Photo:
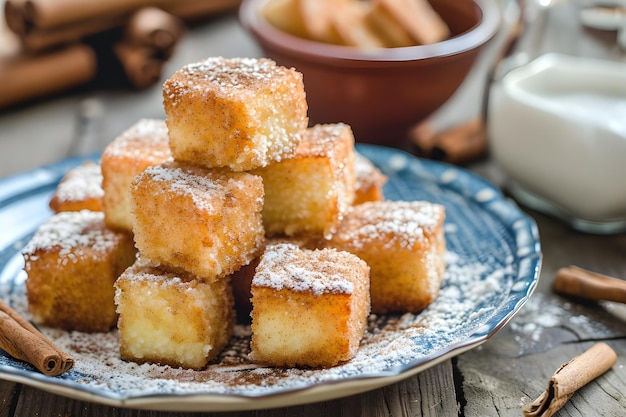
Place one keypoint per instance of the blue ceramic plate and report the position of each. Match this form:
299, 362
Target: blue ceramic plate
493, 260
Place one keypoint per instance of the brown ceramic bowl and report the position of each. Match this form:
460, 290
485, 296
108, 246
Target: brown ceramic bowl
381, 93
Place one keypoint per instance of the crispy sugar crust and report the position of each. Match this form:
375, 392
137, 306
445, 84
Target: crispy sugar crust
144, 144
309, 193
240, 113
79, 189
310, 307
72, 262
404, 245
242, 279
172, 319
205, 222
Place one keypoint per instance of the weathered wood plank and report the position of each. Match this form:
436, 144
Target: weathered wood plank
34, 402
430, 393
498, 385
9, 393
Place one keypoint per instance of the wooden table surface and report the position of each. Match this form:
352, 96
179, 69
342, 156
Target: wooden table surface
494, 379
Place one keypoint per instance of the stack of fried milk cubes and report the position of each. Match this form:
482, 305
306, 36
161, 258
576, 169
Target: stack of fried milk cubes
243, 165
239, 212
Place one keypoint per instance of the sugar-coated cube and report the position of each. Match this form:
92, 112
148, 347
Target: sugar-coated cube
72, 261
242, 279
205, 222
403, 243
310, 192
79, 189
144, 144
309, 307
172, 319
240, 113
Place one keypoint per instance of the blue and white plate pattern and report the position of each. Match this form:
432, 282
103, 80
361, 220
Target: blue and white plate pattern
493, 260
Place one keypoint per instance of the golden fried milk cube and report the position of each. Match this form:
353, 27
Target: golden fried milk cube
309, 307
240, 113
310, 192
144, 144
172, 319
79, 189
72, 262
369, 181
404, 244
205, 222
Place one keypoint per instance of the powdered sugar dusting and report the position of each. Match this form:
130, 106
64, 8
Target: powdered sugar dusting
233, 73
230, 76
319, 271
70, 231
366, 173
147, 139
401, 223
466, 300
257, 112
322, 139
202, 185
81, 183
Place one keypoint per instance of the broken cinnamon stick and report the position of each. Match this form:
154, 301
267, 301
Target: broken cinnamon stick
579, 282
456, 145
462, 143
23, 341
570, 377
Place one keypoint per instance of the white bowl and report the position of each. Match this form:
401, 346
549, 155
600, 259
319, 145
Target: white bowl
557, 129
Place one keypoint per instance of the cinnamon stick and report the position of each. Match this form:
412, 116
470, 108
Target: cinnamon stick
194, 10
579, 282
423, 135
154, 28
462, 143
569, 378
23, 16
141, 67
38, 40
24, 77
456, 145
48, 14
23, 341
14, 16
